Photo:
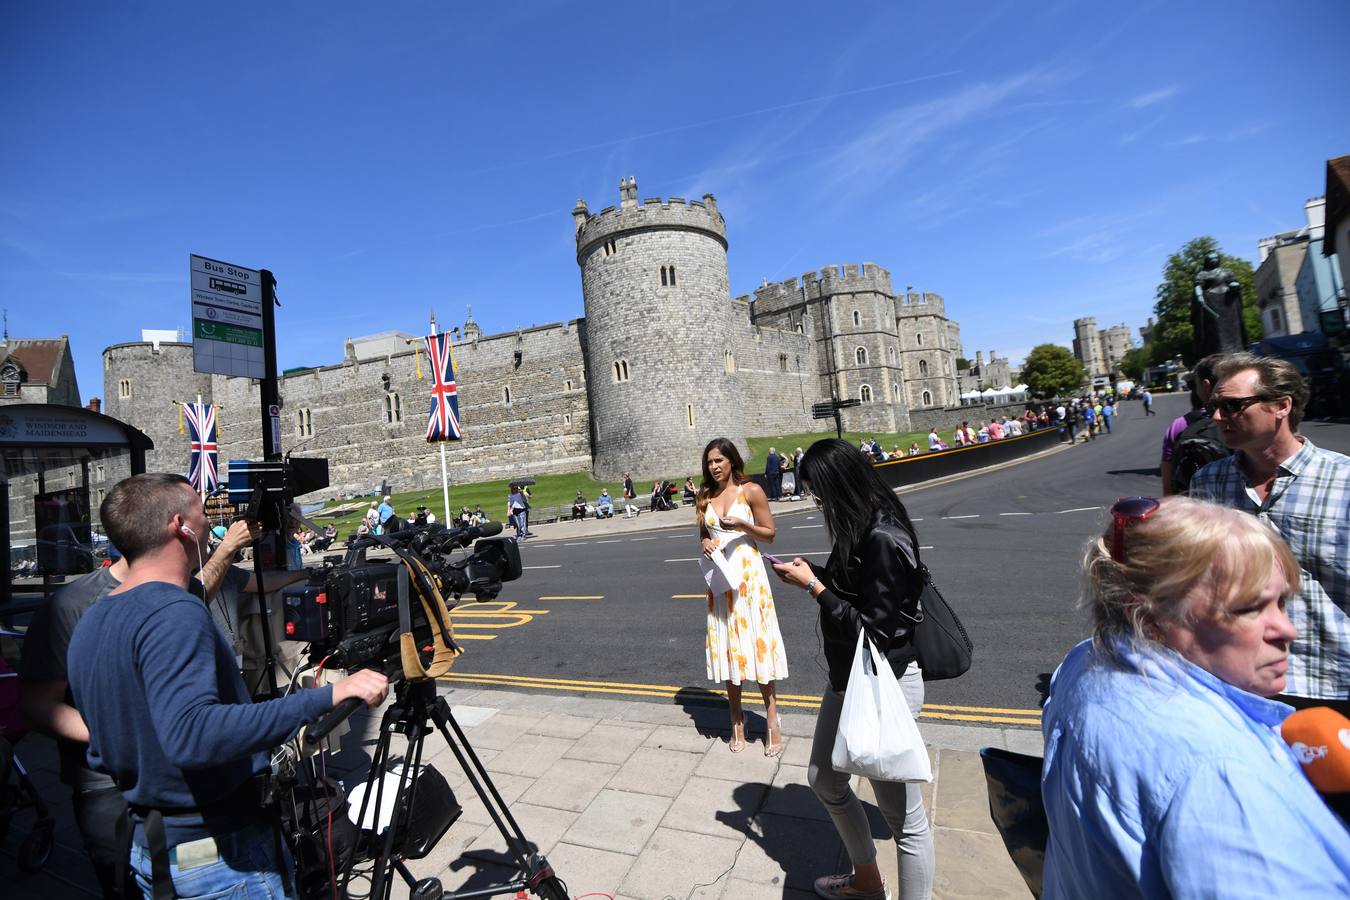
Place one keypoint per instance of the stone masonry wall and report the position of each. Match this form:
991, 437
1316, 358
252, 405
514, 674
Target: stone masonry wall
159, 380
541, 428
670, 341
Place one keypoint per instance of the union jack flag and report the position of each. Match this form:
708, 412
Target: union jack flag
443, 420
202, 471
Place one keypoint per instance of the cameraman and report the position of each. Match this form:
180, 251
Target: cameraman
168, 715
47, 705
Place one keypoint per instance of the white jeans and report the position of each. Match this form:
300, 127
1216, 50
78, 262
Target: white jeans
900, 803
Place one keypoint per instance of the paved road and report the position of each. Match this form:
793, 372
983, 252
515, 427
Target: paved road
624, 613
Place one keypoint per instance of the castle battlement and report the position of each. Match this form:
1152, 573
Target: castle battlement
651, 214
922, 303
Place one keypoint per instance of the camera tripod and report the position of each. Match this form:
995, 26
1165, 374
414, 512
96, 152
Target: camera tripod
416, 708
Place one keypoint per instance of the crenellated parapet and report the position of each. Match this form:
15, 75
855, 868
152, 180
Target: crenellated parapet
651, 214
920, 303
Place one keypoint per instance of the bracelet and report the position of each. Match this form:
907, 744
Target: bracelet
811, 585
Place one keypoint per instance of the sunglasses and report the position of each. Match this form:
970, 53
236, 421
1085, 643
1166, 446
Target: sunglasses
1232, 406
1127, 511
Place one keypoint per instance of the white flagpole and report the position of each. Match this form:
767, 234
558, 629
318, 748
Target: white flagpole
202, 469
445, 478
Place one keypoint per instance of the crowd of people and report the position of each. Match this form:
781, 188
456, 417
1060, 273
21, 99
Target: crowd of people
1215, 616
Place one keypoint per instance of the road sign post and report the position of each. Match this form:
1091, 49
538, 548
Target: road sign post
829, 409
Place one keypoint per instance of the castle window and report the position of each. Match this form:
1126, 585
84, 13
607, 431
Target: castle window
304, 423
124, 389
865, 393
861, 355
918, 339
890, 351
667, 276
729, 361
567, 418
923, 368
927, 399
393, 409
782, 362
857, 319
620, 370
567, 385
611, 247
672, 276
799, 328
895, 391
689, 413
506, 395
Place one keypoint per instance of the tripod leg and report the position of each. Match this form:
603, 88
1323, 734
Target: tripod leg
538, 874
381, 883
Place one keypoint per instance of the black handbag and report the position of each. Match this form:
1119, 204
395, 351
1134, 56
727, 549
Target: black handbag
941, 644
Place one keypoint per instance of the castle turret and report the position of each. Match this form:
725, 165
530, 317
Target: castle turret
658, 333
471, 330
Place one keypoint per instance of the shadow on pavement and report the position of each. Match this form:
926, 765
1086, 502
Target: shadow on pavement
1153, 471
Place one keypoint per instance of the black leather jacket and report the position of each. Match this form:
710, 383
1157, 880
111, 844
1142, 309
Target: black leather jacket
877, 588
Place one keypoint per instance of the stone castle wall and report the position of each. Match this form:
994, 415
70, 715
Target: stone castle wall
156, 378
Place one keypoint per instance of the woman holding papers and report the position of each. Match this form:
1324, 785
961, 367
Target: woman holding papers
743, 643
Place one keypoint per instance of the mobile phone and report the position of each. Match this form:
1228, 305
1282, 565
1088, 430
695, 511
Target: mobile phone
773, 559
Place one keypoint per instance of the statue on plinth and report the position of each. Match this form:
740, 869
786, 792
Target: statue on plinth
1216, 311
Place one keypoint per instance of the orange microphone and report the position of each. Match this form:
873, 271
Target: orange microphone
1320, 738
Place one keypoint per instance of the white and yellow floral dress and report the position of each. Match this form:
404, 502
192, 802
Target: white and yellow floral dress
743, 643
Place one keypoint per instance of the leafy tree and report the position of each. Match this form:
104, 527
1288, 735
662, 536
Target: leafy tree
962, 364
1134, 362
1051, 371
1172, 335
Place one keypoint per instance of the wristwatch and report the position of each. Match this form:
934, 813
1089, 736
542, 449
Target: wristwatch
811, 585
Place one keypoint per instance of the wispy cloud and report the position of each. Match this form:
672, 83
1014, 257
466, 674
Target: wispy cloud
1153, 98
1093, 239
124, 277
1130, 137
1237, 134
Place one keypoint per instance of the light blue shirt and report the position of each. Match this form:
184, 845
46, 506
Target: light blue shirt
1161, 780
605, 502
385, 512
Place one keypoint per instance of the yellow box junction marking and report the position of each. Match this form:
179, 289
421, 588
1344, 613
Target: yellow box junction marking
489, 614
982, 714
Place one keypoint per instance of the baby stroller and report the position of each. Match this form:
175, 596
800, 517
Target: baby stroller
661, 499
17, 792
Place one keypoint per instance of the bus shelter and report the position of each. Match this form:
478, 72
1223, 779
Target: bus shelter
53, 460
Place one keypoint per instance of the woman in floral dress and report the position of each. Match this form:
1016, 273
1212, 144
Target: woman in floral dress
743, 643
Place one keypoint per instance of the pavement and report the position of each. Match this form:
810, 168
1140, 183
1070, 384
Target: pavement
633, 799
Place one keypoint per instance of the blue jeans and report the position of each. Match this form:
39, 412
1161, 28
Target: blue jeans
247, 869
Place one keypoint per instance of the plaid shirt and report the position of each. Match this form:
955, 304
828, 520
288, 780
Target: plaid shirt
1309, 506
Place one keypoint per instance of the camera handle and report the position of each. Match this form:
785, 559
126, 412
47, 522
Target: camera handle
322, 726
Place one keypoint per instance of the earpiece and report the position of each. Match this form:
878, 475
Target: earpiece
188, 531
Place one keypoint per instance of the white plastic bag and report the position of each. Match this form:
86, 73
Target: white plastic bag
877, 735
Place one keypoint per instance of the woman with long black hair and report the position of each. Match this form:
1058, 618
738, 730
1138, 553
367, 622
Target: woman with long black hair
743, 642
870, 582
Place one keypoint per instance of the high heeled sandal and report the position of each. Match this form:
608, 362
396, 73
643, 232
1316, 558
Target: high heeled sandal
737, 742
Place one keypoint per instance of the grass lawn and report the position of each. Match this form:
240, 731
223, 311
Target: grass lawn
559, 490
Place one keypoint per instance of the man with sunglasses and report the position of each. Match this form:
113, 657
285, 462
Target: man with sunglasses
1303, 492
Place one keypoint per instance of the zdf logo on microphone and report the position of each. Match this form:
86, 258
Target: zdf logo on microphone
1307, 754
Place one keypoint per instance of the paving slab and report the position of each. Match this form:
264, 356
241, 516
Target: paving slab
510, 787
680, 864
787, 852
571, 784
716, 807
563, 726
541, 825
500, 731
610, 742
962, 795
975, 866
588, 870
652, 770
619, 821
796, 751
530, 755
737, 889
749, 765
679, 737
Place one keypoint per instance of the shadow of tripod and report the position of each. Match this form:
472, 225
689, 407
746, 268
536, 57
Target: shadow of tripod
415, 827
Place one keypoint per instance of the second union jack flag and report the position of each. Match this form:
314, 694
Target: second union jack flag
202, 470
443, 421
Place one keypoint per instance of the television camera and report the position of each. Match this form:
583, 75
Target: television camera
393, 613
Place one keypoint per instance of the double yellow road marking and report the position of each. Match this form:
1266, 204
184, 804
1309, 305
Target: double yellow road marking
988, 715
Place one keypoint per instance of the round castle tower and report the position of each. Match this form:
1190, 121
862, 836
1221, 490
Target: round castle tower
659, 322
141, 383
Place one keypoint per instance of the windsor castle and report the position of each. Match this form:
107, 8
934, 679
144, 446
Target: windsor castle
663, 359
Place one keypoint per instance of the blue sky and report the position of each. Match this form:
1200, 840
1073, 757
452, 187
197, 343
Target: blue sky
1030, 162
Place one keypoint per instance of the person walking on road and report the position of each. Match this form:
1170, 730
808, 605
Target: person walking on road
743, 642
871, 581
1147, 399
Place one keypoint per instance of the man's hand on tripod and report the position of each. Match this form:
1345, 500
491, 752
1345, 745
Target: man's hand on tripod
366, 685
